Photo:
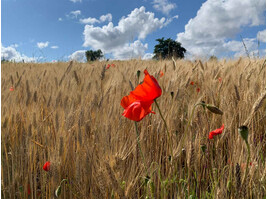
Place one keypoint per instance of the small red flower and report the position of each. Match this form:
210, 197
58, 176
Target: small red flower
108, 66
113, 65
29, 189
11, 88
139, 102
192, 83
161, 73
46, 166
220, 79
198, 90
216, 132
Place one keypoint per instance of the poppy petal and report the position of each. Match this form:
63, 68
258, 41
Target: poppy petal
46, 166
127, 100
148, 90
216, 132
137, 110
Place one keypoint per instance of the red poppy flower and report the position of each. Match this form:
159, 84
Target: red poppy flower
216, 132
46, 166
161, 73
139, 103
113, 65
198, 90
192, 83
11, 88
108, 66
220, 79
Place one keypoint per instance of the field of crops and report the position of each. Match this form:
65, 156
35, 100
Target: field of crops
70, 114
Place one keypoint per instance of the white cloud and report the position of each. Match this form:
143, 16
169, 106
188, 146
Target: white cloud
261, 36
163, 6
74, 1
112, 39
54, 47
148, 56
74, 14
60, 19
78, 56
11, 54
218, 21
42, 44
238, 47
107, 17
129, 51
89, 20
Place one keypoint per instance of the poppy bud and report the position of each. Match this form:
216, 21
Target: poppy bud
214, 109
243, 131
172, 94
138, 74
58, 191
203, 148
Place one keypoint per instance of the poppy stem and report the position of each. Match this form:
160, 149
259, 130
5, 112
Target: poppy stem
165, 123
246, 172
139, 145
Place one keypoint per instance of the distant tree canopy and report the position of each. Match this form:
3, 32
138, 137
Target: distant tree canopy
93, 55
168, 48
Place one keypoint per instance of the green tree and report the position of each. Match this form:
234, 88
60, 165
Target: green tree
168, 48
93, 55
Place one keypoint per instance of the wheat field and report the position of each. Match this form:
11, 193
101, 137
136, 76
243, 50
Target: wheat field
70, 114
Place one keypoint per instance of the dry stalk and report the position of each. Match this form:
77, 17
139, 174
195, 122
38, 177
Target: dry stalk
256, 106
114, 182
237, 93
66, 72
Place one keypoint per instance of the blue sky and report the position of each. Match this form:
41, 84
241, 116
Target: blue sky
47, 30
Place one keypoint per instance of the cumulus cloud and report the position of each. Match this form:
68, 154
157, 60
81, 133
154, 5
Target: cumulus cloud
60, 19
261, 36
103, 18
107, 17
74, 1
218, 21
75, 14
89, 20
54, 47
112, 39
238, 47
78, 56
42, 44
163, 6
133, 50
11, 54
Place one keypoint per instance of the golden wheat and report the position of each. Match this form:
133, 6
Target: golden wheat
70, 114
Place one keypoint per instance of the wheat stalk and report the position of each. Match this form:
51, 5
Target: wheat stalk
256, 106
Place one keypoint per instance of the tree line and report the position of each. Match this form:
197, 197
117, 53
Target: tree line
165, 49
